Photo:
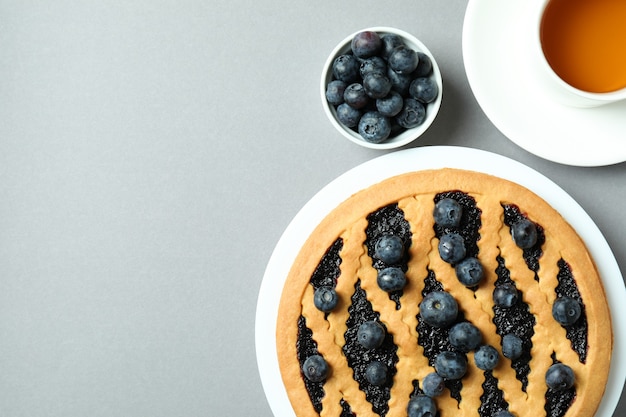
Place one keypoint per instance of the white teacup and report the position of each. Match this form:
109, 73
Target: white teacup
550, 81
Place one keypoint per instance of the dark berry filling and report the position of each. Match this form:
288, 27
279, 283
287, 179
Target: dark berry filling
305, 347
517, 320
577, 332
492, 399
327, 272
416, 389
359, 357
346, 410
558, 402
434, 340
384, 221
470, 220
512, 214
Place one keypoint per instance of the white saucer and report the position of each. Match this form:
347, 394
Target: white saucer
396, 163
518, 108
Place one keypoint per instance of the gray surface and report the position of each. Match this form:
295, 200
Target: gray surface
151, 155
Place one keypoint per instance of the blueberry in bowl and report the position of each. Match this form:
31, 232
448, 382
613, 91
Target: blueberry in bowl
389, 79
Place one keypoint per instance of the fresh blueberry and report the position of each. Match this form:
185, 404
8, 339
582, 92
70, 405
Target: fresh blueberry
524, 233
376, 373
396, 129
464, 336
451, 365
447, 212
390, 105
403, 59
389, 42
325, 299
373, 64
348, 115
560, 377
374, 127
346, 68
366, 44
376, 85
452, 248
389, 249
566, 310
505, 295
424, 66
391, 279
421, 406
413, 114
439, 309
424, 89
371, 334
511, 346
469, 272
503, 413
486, 357
433, 384
334, 92
315, 368
355, 96
399, 82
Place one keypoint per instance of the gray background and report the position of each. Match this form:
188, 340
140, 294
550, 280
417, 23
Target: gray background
151, 155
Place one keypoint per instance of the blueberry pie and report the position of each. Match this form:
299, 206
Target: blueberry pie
444, 292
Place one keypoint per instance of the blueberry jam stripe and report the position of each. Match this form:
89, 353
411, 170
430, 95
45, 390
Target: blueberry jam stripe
548, 280
491, 225
548, 272
305, 348
445, 274
512, 318
492, 398
392, 317
411, 361
415, 368
387, 306
389, 315
581, 265
344, 387
471, 382
577, 333
482, 317
540, 357
540, 296
341, 373
361, 357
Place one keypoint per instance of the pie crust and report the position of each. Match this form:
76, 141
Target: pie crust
415, 194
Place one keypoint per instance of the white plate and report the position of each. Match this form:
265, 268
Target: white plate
505, 90
396, 163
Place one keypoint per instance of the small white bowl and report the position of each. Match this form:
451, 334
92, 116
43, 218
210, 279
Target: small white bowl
406, 136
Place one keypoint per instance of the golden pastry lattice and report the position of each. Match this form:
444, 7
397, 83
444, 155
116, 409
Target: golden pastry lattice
549, 338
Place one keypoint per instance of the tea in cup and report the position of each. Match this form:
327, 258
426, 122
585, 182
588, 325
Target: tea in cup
579, 50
